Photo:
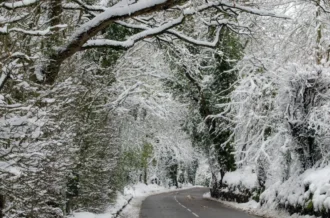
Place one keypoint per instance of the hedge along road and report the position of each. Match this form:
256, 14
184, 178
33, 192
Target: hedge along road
187, 204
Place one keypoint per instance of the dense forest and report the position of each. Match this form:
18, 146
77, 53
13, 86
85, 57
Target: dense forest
100, 95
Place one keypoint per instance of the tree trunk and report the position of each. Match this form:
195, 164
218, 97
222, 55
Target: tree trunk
222, 173
145, 175
319, 34
2, 206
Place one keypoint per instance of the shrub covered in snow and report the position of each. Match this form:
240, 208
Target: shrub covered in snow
246, 178
239, 186
307, 193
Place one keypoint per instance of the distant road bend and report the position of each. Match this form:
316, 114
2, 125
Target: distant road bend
187, 204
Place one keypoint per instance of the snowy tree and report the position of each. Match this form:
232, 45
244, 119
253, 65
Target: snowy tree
282, 88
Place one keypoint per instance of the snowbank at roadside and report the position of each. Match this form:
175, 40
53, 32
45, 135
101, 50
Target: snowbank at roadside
310, 189
307, 193
252, 207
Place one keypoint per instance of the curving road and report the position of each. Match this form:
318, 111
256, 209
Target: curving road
186, 204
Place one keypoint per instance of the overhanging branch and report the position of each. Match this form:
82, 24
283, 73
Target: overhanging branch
80, 38
135, 38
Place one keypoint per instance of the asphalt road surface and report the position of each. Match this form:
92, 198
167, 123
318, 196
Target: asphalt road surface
187, 204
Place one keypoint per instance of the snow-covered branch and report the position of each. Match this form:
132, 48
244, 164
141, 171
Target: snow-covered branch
78, 5
253, 10
18, 4
46, 32
180, 35
232, 5
110, 15
135, 38
197, 42
14, 19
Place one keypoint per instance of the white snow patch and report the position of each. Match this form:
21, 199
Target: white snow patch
207, 195
245, 177
7, 167
18, 4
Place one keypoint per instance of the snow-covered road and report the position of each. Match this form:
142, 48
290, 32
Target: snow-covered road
186, 204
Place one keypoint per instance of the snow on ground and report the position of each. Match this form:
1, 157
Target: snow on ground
253, 207
139, 192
